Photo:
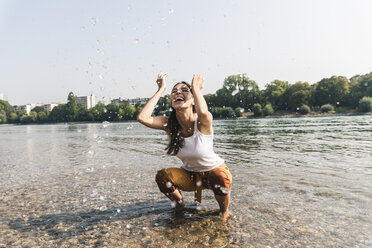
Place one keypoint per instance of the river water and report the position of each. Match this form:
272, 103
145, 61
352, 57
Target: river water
296, 182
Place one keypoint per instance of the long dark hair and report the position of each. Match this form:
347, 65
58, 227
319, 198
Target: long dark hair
176, 141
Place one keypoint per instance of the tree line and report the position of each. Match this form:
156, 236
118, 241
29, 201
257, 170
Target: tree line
238, 95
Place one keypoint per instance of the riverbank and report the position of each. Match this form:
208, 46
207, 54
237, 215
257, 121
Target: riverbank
288, 114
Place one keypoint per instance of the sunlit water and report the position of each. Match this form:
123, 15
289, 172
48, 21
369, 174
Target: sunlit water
296, 182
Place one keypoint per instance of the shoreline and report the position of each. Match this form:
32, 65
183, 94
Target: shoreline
248, 115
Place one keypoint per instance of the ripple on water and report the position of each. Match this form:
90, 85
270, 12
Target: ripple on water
296, 182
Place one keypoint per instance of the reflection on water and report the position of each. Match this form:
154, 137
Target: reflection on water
296, 182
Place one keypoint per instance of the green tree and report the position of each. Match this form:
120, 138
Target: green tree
98, 112
257, 109
304, 109
327, 108
365, 104
3, 117
238, 91
6, 112
274, 92
332, 90
38, 109
127, 111
268, 109
59, 114
72, 108
164, 104
297, 95
138, 108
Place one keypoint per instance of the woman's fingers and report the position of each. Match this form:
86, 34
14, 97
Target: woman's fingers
198, 81
162, 75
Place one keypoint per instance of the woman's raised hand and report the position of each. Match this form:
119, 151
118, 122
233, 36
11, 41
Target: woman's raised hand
197, 82
161, 80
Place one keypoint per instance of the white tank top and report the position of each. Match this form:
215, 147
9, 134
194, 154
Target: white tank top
197, 153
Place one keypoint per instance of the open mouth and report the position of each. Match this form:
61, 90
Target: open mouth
179, 99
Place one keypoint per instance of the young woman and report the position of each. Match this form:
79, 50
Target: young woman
190, 132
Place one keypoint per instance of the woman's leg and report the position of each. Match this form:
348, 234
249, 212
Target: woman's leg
220, 180
171, 180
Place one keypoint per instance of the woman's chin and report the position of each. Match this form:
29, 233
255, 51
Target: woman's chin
180, 106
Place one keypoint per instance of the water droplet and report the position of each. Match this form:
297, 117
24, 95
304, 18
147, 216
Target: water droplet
156, 224
298, 108
242, 110
105, 123
128, 226
84, 200
235, 92
118, 210
114, 181
173, 204
217, 186
170, 109
225, 190
338, 103
166, 124
102, 198
93, 21
198, 183
168, 184
103, 208
90, 152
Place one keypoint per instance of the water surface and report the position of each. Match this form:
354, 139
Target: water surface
296, 182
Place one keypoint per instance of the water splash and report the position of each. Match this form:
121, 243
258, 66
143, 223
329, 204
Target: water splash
105, 123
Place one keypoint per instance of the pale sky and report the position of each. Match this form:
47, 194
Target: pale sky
116, 48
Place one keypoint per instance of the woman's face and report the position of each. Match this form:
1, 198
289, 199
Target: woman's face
181, 97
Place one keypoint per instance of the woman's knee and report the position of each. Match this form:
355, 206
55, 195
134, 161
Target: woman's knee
220, 182
164, 183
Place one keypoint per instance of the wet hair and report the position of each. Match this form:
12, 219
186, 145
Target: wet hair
176, 141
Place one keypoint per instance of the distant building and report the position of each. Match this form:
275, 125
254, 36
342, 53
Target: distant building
3, 97
118, 100
27, 107
132, 102
49, 106
87, 101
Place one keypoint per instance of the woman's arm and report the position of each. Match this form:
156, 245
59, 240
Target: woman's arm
145, 116
205, 118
